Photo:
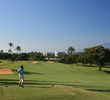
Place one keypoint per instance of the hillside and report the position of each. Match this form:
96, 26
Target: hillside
106, 45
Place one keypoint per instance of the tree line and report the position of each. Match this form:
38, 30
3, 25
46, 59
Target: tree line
20, 56
94, 55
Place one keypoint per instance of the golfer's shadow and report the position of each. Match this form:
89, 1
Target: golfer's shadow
26, 72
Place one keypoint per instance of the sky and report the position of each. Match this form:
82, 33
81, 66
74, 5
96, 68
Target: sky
54, 25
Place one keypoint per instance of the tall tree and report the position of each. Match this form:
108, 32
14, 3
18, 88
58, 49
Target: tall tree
101, 55
1, 51
1, 54
10, 51
97, 54
10, 54
11, 45
89, 55
71, 50
18, 48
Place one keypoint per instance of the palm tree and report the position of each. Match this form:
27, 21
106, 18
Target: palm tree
71, 50
11, 45
1, 51
9, 50
10, 54
18, 48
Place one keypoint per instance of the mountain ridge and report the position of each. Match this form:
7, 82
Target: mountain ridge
105, 45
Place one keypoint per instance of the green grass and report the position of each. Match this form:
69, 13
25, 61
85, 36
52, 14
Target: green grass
77, 83
4, 62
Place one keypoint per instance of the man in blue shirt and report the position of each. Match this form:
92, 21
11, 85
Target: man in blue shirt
21, 76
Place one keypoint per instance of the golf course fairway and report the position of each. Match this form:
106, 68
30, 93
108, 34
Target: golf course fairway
54, 81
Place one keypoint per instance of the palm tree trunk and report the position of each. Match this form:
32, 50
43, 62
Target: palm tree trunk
17, 56
71, 60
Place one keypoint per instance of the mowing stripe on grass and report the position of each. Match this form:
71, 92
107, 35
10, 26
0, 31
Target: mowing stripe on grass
2, 94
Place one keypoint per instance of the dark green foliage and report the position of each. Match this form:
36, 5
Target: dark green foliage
39, 56
14, 56
97, 54
36, 56
101, 55
67, 59
23, 56
5, 56
32, 55
1, 55
88, 56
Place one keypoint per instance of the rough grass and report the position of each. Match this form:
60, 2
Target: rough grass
77, 83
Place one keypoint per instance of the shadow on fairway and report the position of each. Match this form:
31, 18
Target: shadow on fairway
98, 90
8, 81
33, 73
28, 72
37, 84
26, 82
106, 71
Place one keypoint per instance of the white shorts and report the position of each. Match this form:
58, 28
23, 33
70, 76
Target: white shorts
21, 79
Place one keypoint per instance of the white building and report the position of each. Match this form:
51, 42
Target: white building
46, 54
59, 53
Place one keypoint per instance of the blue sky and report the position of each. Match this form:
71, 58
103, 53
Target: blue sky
54, 25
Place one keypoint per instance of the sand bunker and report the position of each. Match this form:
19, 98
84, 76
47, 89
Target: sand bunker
34, 62
49, 61
21, 61
5, 71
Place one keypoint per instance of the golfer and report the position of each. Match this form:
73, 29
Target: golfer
21, 76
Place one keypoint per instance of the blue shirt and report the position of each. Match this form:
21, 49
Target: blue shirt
21, 72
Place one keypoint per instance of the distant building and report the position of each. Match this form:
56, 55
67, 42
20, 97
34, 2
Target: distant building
59, 53
46, 54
